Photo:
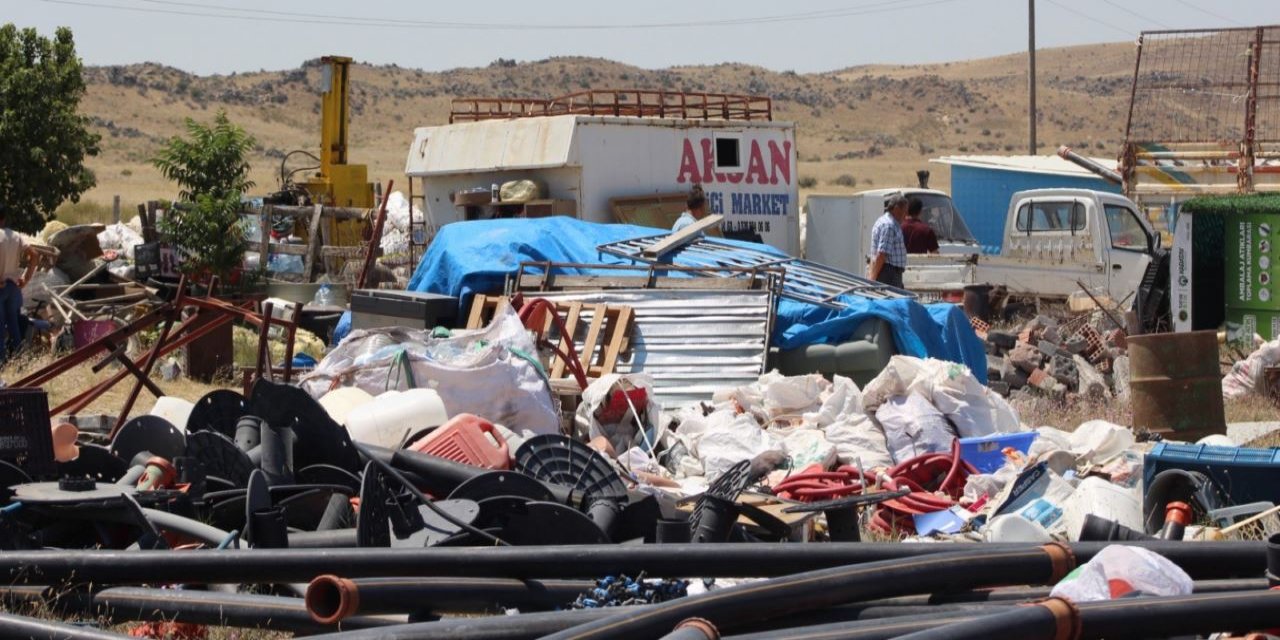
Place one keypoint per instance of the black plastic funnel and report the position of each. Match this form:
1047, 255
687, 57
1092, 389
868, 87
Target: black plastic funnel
149, 433
320, 440
217, 411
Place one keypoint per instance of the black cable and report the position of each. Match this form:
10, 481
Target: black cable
389, 470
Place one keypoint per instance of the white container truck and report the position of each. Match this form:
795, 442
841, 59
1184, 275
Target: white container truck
747, 168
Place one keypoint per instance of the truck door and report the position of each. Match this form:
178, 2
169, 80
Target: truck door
1128, 251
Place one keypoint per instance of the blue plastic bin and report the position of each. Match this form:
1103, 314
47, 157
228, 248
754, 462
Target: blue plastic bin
1243, 474
984, 452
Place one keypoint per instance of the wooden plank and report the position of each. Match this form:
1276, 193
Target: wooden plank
346, 252
279, 249
617, 340
313, 243
572, 314
264, 235
588, 347
682, 237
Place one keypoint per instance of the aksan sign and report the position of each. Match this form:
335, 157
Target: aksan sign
754, 192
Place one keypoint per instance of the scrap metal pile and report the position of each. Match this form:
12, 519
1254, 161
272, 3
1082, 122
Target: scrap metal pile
334, 507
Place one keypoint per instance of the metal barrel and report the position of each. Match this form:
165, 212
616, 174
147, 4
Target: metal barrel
1176, 384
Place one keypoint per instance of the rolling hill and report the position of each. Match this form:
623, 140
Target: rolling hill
866, 126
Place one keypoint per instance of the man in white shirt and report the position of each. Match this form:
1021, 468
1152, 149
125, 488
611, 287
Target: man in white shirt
697, 210
13, 248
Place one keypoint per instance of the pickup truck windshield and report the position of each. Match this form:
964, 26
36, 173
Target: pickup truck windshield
941, 215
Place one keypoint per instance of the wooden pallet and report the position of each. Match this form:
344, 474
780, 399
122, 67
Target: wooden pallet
608, 332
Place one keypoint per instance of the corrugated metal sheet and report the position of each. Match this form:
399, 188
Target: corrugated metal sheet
1049, 165
692, 342
527, 143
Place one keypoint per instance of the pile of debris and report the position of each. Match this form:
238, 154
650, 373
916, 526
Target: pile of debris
1084, 357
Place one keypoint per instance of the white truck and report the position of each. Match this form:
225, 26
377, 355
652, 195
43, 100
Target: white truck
837, 232
1055, 240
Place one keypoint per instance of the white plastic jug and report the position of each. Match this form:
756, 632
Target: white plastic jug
1105, 500
340, 402
394, 417
1012, 527
176, 410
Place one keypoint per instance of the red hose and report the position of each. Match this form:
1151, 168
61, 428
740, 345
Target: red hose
572, 363
926, 476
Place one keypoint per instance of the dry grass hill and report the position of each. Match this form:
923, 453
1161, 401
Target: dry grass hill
861, 127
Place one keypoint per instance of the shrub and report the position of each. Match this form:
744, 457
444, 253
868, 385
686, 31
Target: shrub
845, 180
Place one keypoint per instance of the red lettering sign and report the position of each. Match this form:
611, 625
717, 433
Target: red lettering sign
697, 164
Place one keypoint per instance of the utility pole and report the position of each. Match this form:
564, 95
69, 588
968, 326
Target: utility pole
1031, 75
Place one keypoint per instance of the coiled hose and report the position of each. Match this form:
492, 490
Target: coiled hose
936, 481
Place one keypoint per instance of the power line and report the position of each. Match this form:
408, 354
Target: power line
1136, 14
266, 15
1210, 13
1090, 18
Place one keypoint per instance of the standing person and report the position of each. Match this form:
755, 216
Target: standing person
888, 253
13, 248
916, 233
697, 209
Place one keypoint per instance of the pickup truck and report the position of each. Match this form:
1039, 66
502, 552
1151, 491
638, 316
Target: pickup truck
1053, 240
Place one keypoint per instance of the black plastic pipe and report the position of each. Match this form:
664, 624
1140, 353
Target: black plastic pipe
810, 590
331, 599
1026, 594
1201, 560
693, 629
1128, 617
525, 626
330, 539
12, 626
1273, 560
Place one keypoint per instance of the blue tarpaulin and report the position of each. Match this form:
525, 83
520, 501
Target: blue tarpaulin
470, 257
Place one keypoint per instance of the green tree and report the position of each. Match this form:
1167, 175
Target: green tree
207, 234
43, 138
212, 160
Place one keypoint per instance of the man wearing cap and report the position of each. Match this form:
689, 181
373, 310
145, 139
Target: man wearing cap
888, 251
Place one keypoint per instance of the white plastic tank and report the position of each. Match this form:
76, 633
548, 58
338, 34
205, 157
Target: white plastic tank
394, 417
1100, 498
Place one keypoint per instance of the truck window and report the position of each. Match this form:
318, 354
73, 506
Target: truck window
1126, 232
728, 154
1043, 217
940, 214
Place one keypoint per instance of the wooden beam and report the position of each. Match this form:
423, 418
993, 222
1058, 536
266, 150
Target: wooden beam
682, 237
313, 243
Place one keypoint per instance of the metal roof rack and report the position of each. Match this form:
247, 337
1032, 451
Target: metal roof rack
618, 102
802, 280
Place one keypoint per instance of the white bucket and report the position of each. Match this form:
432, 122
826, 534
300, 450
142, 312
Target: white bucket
1105, 500
392, 418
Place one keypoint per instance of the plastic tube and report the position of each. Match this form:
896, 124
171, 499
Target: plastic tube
1273, 560
12, 626
1202, 560
802, 592
1149, 617
331, 539
525, 626
693, 629
330, 599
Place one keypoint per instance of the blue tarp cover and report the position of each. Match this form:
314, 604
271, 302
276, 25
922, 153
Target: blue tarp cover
475, 257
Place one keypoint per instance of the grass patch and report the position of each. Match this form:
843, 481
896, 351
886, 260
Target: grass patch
83, 212
1046, 412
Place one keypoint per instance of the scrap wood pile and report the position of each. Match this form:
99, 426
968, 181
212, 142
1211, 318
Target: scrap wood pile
422, 484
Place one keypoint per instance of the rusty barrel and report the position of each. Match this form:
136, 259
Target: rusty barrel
1176, 384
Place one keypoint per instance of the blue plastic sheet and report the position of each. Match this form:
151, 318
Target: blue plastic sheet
470, 257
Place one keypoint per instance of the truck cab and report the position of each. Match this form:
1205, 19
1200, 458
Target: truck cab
1056, 237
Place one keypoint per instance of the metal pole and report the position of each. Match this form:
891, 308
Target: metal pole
1031, 75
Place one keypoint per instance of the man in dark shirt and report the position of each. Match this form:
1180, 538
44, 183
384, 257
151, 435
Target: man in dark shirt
916, 233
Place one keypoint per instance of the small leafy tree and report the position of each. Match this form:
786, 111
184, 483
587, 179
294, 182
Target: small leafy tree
43, 138
213, 160
211, 168
207, 234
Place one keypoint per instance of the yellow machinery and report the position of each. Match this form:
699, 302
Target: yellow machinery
338, 184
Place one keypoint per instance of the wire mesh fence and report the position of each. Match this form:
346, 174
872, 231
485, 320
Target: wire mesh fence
1201, 86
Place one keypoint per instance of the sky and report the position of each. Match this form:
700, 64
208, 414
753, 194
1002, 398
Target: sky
222, 36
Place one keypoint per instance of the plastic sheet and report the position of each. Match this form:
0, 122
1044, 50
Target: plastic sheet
1118, 570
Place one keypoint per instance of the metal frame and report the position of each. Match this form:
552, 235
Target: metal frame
618, 102
549, 276
802, 280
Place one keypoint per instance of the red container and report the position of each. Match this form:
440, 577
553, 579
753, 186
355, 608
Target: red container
84, 332
467, 439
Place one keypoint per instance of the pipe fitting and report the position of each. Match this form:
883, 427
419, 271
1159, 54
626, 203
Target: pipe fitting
1062, 559
158, 473
1066, 618
699, 625
330, 599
